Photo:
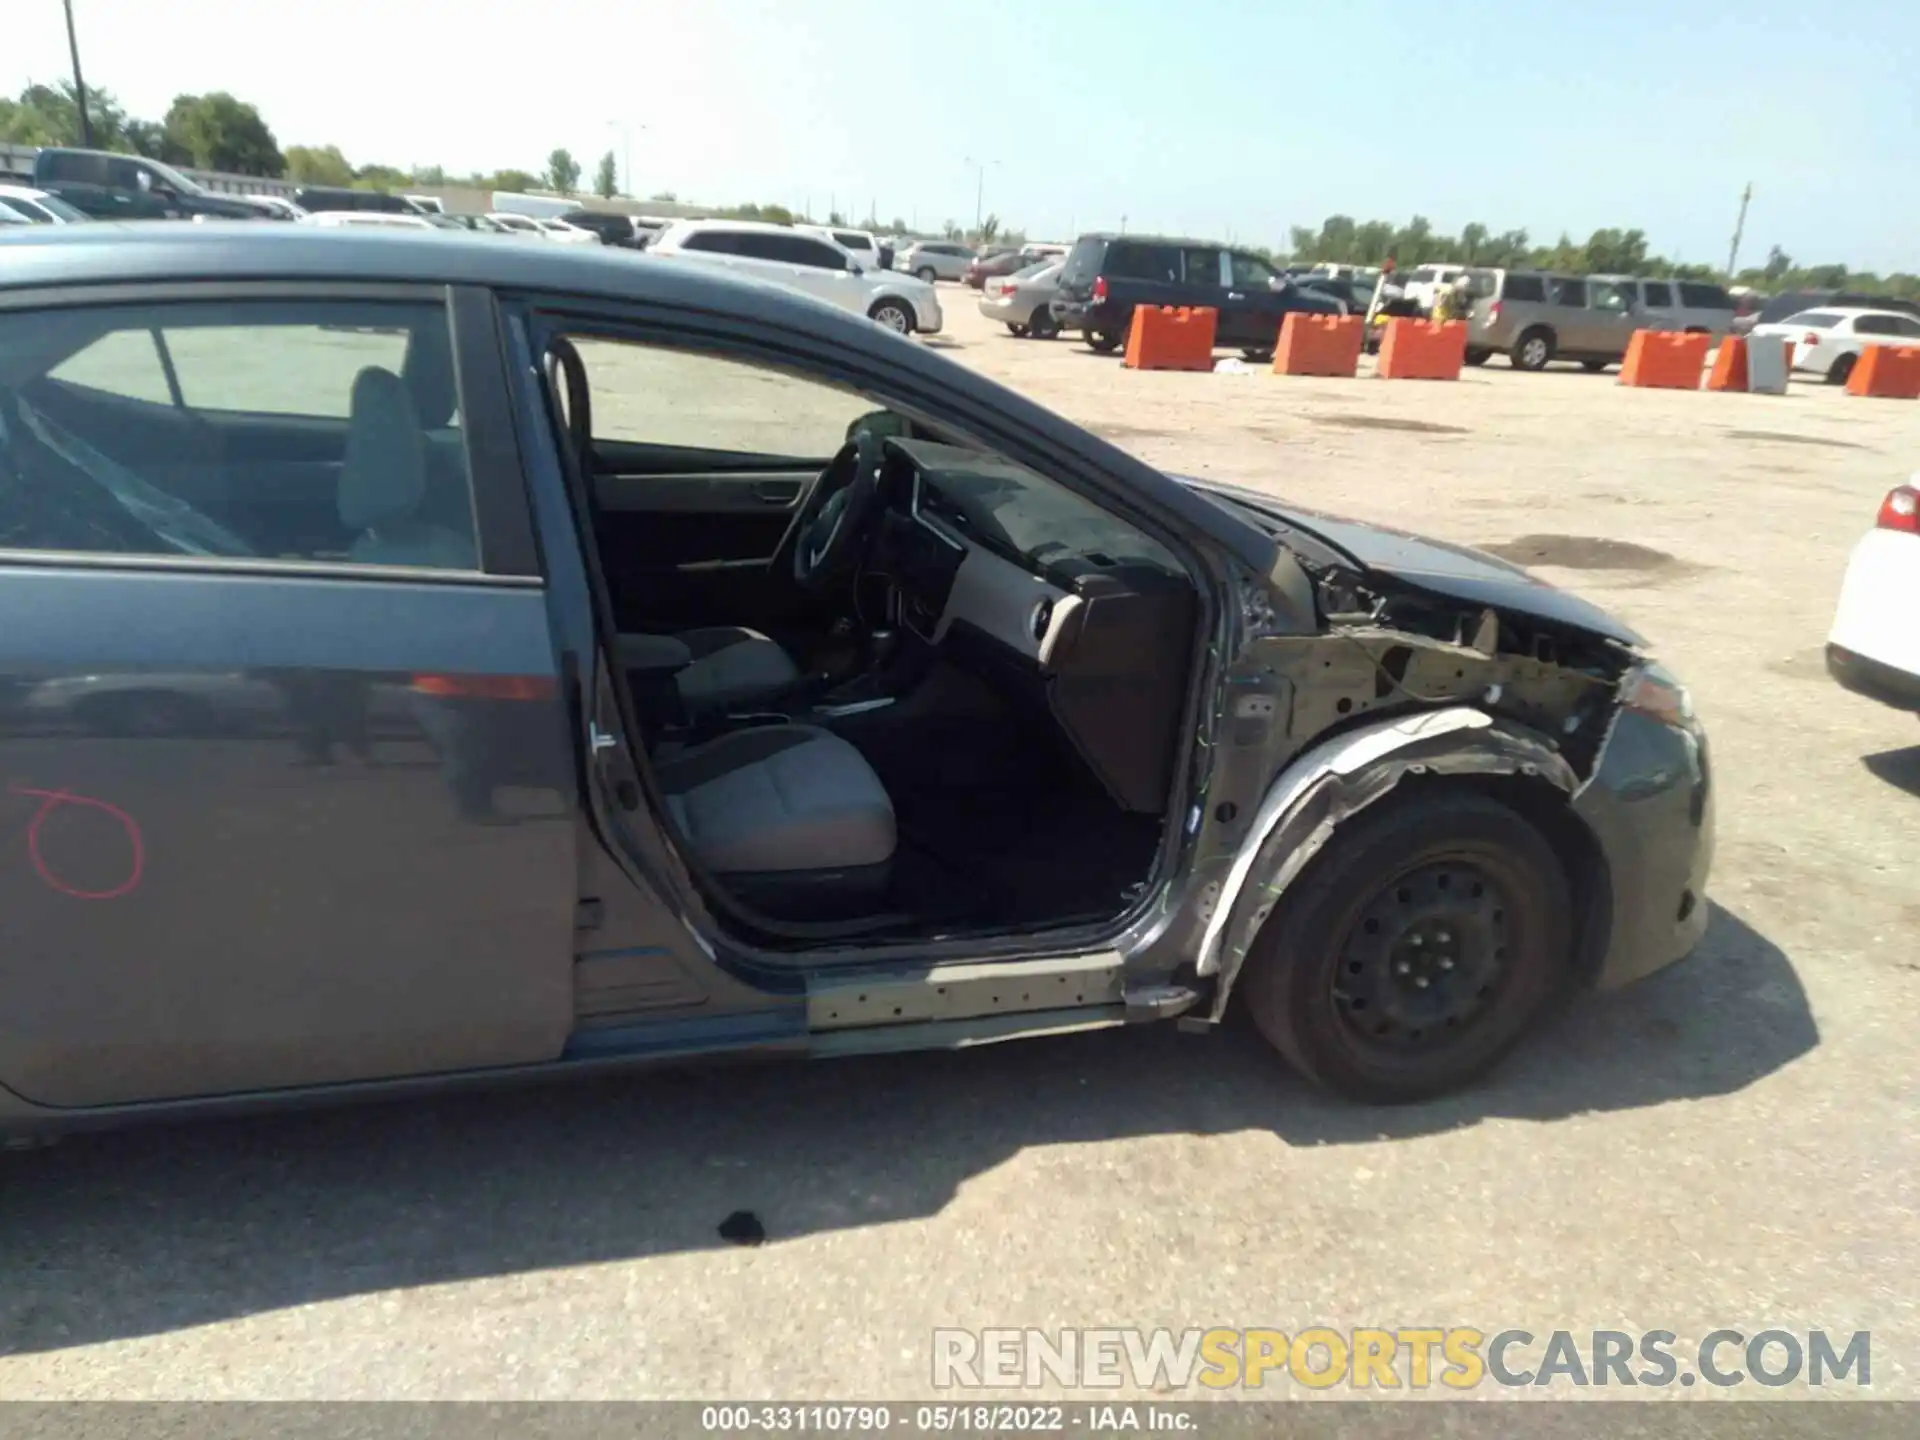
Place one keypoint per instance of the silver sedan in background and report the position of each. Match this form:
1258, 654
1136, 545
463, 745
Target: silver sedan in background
1020, 300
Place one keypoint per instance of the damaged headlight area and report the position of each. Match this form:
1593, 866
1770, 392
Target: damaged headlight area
1652, 690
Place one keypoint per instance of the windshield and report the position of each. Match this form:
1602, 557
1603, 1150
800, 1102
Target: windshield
174, 178
58, 208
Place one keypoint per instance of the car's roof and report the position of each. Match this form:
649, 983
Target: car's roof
1133, 238
761, 227
160, 251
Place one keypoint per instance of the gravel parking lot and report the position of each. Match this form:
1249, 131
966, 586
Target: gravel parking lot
1729, 1144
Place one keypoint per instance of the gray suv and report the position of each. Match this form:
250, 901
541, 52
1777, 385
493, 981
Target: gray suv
934, 260
1536, 317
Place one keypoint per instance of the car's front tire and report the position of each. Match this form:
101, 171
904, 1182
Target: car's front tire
926, 273
1415, 951
895, 315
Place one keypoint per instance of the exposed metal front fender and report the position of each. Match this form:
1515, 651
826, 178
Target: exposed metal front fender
1336, 780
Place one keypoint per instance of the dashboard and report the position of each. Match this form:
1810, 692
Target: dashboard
997, 566
972, 541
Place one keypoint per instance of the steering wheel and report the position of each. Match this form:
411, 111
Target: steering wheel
835, 516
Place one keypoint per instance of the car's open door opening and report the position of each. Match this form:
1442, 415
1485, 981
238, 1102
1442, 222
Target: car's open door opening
941, 696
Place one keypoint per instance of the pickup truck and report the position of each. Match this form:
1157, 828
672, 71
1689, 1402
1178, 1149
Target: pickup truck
432, 662
109, 186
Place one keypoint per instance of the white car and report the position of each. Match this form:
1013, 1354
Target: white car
37, 207
533, 227
807, 263
860, 244
1874, 647
380, 219
274, 207
1828, 341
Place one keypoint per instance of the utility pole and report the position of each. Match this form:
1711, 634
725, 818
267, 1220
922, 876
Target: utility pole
1739, 226
979, 190
79, 85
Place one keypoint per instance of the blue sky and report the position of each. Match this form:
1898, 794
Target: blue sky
1224, 117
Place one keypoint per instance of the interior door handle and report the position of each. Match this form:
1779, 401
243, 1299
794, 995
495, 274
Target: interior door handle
777, 492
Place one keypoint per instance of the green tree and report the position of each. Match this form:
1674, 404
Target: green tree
563, 171
606, 177
989, 228
318, 165
219, 132
150, 138
1778, 264
381, 177
430, 176
48, 115
1473, 239
514, 180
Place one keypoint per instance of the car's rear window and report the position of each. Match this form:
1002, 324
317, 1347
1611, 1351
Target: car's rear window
1814, 319
1524, 287
1083, 261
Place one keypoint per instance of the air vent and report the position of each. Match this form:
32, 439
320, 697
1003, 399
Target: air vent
1042, 619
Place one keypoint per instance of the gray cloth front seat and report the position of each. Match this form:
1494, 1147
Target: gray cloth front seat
784, 815
717, 669
383, 482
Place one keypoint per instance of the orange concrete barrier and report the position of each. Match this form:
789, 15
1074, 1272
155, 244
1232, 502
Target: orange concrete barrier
1661, 360
1163, 338
1729, 365
1319, 345
1423, 349
1891, 372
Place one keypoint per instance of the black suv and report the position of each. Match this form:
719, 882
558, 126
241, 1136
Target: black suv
129, 187
1107, 275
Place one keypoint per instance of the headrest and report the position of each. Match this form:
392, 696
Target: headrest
384, 475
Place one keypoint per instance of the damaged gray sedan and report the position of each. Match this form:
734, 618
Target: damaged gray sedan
503, 662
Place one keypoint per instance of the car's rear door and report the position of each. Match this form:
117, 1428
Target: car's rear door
287, 791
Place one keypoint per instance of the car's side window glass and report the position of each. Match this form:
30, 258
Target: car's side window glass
1613, 295
279, 369
1569, 292
1524, 287
1251, 271
121, 362
1905, 327
1873, 325
800, 251
1157, 263
312, 431
1659, 296
1201, 266
650, 395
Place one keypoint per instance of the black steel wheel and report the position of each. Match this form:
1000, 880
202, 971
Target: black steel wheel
1041, 325
1104, 341
1415, 951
